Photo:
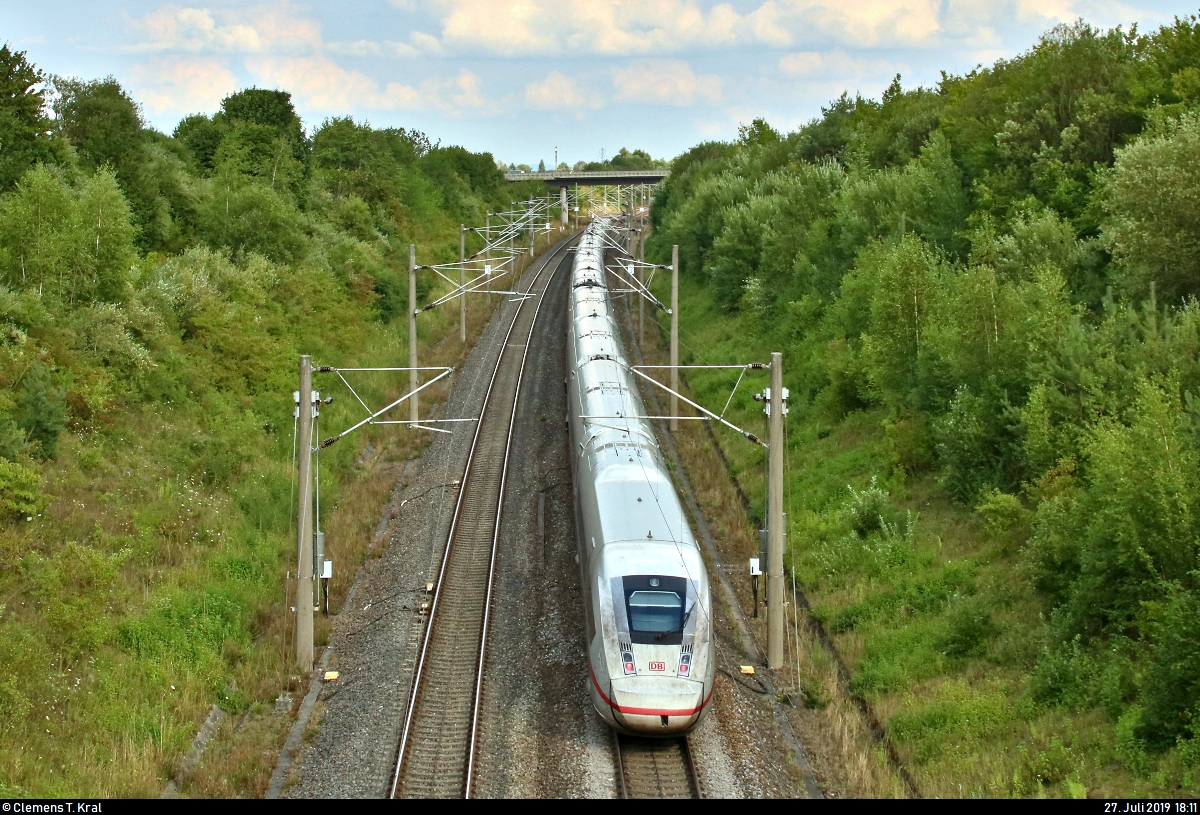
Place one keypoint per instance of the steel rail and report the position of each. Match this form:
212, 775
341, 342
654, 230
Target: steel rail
415, 695
656, 768
487, 603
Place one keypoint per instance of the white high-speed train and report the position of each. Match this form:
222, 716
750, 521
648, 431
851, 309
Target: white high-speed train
649, 614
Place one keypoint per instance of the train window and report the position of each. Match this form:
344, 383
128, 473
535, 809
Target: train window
655, 611
656, 608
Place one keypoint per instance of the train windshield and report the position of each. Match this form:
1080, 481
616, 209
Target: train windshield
656, 605
655, 612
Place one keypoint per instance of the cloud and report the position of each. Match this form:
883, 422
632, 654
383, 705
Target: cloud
280, 47
624, 28
1061, 10
320, 84
426, 42
648, 27
665, 82
816, 64
195, 54
502, 28
464, 92
180, 86
371, 48
608, 27
557, 92
255, 30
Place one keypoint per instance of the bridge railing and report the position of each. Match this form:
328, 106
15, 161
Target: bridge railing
593, 176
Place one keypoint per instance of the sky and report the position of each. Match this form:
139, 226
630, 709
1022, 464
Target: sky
520, 78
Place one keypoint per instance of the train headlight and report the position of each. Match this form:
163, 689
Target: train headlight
630, 668
685, 664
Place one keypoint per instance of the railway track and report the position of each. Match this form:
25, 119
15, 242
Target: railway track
656, 768
436, 754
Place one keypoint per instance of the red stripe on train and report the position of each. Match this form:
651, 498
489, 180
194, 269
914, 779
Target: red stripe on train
646, 711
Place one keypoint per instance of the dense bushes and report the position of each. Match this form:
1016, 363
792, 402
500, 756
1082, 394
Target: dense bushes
1001, 272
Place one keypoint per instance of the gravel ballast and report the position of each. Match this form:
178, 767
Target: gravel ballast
539, 736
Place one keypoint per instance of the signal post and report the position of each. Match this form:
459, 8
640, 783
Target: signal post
462, 280
412, 332
304, 536
674, 337
775, 516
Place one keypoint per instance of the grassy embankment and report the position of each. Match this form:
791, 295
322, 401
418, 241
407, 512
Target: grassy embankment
842, 752
929, 607
152, 583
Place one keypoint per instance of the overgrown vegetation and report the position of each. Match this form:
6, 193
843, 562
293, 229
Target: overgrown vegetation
986, 296
155, 292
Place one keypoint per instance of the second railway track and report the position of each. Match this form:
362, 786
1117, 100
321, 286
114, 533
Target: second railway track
437, 745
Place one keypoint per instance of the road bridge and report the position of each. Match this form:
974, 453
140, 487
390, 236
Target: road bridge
592, 178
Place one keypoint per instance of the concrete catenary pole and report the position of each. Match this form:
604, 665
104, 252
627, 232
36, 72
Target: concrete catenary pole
462, 280
532, 231
412, 331
674, 336
304, 535
487, 254
775, 518
642, 280
562, 204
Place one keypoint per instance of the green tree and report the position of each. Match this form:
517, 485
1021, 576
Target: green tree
1171, 695
251, 217
351, 158
36, 225
25, 130
892, 133
76, 245
925, 196
258, 151
20, 491
907, 280
1132, 529
42, 410
271, 109
163, 195
477, 169
626, 159
827, 136
1152, 223
99, 119
758, 132
203, 136
1037, 124
105, 251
